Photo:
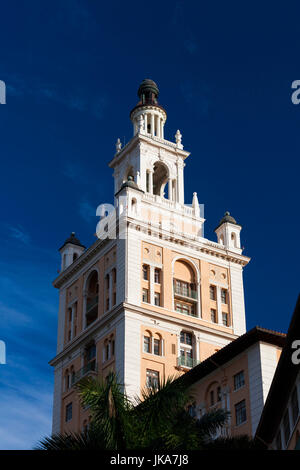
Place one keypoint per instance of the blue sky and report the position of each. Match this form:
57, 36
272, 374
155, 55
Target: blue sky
72, 69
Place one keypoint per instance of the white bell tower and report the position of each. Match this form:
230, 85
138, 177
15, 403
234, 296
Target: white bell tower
152, 162
70, 251
228, 232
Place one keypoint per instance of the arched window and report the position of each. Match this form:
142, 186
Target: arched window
133, 206
157, 345
92, 298
213, 395
160, 178
233, 239
147, 342
184, 288
75, 256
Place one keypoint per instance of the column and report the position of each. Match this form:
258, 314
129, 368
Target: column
161, 129
151, 284
84, 310
197, 348
158, 126
110, 289
145, 122
198, 301
170, 189
219, 305
152, 124
151, 182
72, 321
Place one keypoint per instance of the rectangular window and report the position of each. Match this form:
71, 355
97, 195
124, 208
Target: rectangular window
295, 406
286, 427
178, 308
157, 298
213, 315
152, 378
186, 338
212, 292
224, 296
147, 344
240, 412
145, 295
145, 272
239, 380
156, 347
91, 352
157, 276
69, 412
225, 318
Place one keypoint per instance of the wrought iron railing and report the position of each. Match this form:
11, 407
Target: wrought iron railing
185, 361
185, 291
90, 367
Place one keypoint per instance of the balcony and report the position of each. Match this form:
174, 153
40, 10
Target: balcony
185, 292
90, 368
188, 362
92, 303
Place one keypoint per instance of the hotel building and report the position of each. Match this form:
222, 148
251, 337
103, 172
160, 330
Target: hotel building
152, 297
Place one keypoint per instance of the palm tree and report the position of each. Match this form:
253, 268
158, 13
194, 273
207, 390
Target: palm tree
158, 420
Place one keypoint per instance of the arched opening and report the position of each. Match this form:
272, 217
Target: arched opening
233, 239
75, 256
184, 288
160, 178
221, 240
92, 298
133, 206
213, 395
129, 172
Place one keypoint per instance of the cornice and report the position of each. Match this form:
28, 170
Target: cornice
203, 245
151, 140
180, 321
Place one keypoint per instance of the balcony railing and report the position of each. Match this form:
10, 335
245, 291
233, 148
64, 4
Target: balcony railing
185, 361
92, 303
185, 291
90, 367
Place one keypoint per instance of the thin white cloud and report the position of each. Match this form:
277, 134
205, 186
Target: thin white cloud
75, 99
19, 233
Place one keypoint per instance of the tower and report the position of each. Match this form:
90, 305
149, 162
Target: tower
152, 297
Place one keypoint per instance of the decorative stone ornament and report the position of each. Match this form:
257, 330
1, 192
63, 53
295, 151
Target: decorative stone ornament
118, 145
178, 138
